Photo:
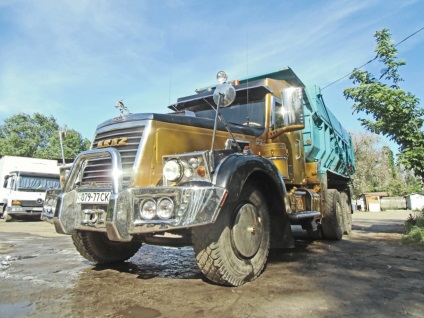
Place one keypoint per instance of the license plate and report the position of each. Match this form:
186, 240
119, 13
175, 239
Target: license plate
93, 197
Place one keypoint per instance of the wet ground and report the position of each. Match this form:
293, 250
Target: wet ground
370, 273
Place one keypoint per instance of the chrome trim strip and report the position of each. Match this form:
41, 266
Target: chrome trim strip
141, 150
304, 215
278, 157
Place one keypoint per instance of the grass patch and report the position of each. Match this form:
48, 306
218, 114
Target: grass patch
414, 228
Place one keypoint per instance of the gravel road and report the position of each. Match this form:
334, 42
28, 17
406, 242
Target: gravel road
370, 273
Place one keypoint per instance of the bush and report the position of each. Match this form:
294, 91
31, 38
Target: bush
414, 228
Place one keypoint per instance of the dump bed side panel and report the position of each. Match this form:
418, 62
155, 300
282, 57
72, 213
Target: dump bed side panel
325, 140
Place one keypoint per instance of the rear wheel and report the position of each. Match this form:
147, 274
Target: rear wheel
97, 248
234, 249
347, 213
332, 220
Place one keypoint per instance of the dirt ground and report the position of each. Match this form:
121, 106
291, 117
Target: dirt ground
370, 273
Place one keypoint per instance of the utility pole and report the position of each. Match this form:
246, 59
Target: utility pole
62, 135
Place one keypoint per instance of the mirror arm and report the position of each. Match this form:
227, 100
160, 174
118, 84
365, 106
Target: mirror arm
278, 132
215, 126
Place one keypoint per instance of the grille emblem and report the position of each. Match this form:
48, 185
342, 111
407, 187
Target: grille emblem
39, 201
115, 142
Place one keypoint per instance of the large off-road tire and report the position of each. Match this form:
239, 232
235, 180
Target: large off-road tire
234, 249
332, 220
347, 213
97, 248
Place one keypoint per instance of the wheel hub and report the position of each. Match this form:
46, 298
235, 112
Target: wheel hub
247, 231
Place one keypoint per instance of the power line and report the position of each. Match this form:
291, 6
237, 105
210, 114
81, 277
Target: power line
409, 36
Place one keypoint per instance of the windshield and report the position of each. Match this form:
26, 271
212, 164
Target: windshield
34, 183
252, 113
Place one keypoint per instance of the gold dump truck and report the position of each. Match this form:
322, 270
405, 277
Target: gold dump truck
228, 171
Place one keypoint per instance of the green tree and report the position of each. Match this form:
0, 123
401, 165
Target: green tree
373, 164
391, 111
376, 170
37, 136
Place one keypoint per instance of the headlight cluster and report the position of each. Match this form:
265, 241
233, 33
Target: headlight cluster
185, 168
49, 205
162, 208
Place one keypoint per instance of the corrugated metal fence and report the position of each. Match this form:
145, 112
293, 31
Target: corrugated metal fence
393, 203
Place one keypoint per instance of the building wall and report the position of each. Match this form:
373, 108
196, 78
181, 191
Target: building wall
415, 201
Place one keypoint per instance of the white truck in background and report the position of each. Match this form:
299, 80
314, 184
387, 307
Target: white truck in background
23, 185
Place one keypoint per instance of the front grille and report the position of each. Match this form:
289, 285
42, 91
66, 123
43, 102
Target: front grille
30, 203
98, 171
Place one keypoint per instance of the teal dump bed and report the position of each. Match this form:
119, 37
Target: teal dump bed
325, 140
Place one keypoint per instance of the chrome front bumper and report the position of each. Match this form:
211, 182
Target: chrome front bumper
120, 219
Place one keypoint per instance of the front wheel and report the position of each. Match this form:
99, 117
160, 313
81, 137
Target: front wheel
97, 248
234, 249
7, 217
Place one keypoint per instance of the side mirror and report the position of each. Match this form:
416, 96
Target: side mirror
292, 106
224, 94
6, 178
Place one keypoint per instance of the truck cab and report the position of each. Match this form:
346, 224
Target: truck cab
228, 171
25, 193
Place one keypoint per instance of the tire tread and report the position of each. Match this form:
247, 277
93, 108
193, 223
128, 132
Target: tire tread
97, 248
210, 255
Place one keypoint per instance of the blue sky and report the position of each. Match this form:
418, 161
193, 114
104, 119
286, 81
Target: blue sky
73, 59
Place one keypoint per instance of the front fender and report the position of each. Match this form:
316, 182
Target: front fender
233, 173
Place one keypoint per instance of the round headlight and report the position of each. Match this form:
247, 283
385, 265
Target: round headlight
165, 208
148, 209
188, 173
172, 170
193, 162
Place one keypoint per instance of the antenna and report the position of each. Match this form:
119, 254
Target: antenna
247, 67
62, 135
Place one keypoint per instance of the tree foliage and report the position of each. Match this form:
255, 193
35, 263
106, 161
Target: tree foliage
376, 171
38, 136
391, 111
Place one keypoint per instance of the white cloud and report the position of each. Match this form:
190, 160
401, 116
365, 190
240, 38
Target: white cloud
73, 57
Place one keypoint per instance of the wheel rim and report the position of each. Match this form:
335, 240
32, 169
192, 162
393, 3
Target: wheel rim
247, 231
